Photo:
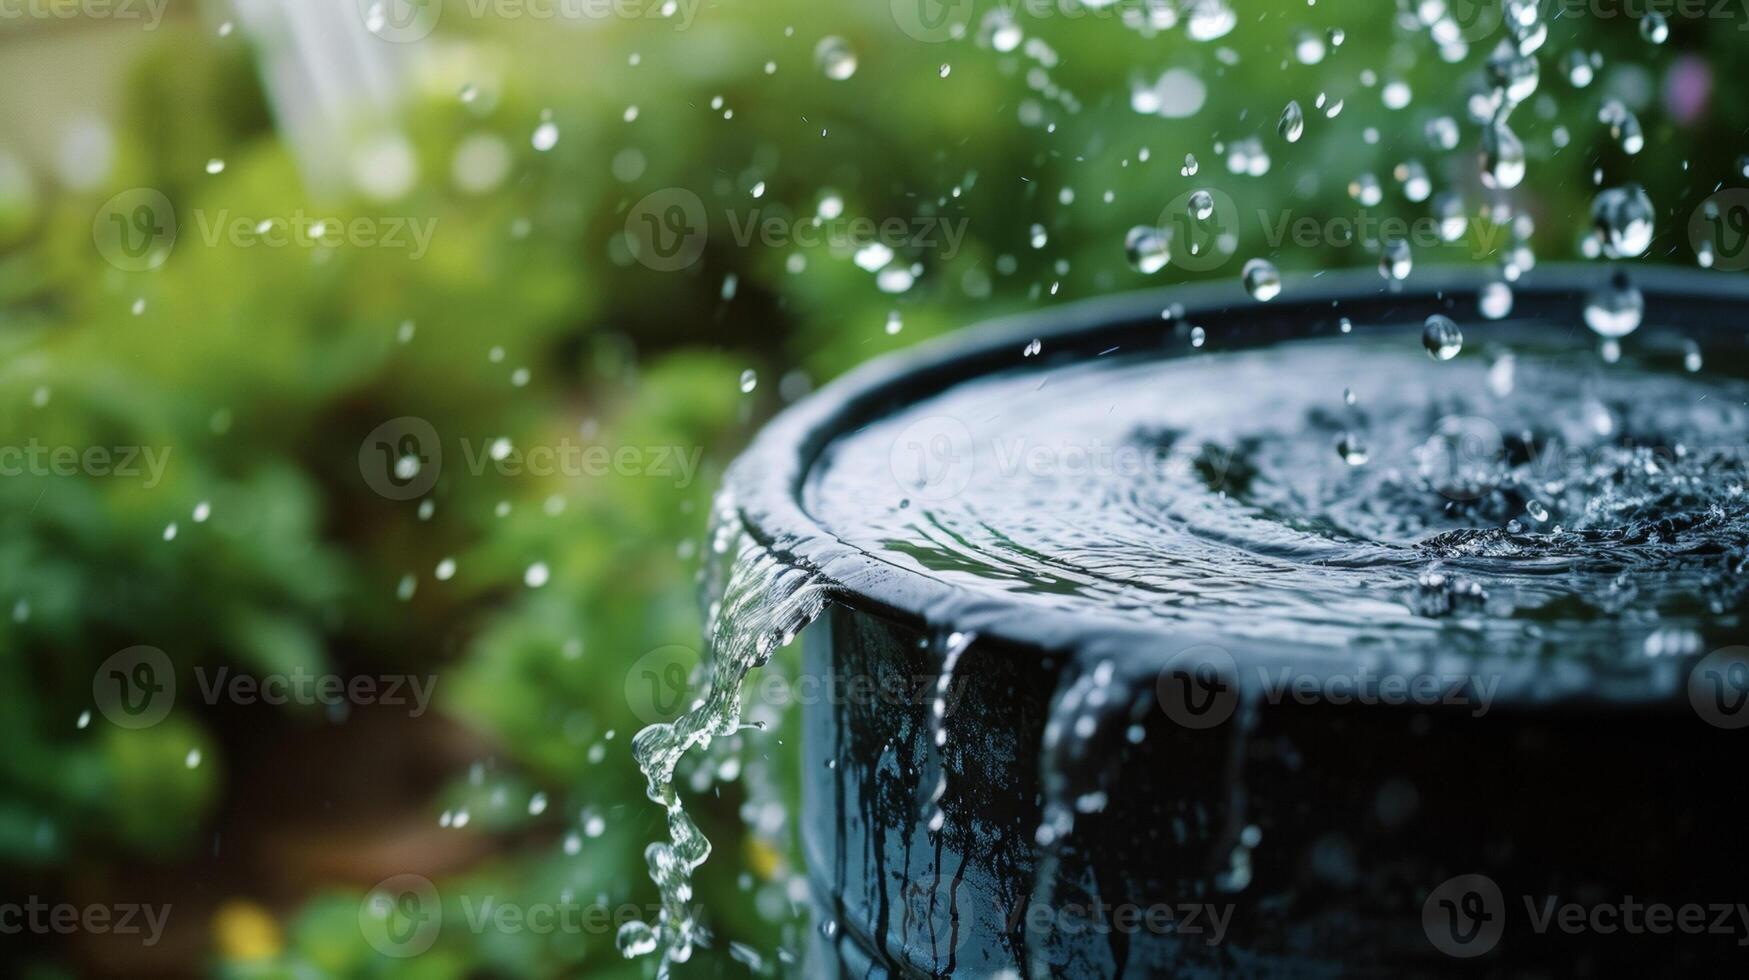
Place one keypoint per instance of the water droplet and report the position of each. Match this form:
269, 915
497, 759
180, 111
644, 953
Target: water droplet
1148, 249
202, 511
1615, 308
749, 380
872, 257
536, 575
1441, 337
835, 58
1417, 187
1262, 280
1536, 510
1345, 325
215, 166
1352, 448
537, 804
1348, 396
1495, 299
894, 324
546, 136
1580, 71
1624, 126
445, 570
1622, 217
1654, 27
170, 531
1395, 261
192, 759
1502, 157
1032, 348
1513, 75
1365, 189
1442, 133
1691, 358
945, 70
1202, 205
1198, 337
1206, 20
1292, 124
1503, 374
1190, 166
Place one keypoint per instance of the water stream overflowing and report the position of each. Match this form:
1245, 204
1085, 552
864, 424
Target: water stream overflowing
759, 604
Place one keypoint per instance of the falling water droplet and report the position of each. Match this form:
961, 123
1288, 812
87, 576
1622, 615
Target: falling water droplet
1148, 249
1654, 27
835, 58
1441, 337
546, 136
1292, 124
1352, 448
1261, 279
1622, 217
1396, 261
749, 380
1202, 205
1502, 157
1495, 299
536, 575
1615, 308
1198, 337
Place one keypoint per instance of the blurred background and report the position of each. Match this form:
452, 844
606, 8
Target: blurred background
385, 355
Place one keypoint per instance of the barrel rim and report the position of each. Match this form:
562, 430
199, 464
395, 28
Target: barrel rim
765, 484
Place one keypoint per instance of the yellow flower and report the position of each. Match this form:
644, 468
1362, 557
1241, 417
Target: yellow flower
245, 931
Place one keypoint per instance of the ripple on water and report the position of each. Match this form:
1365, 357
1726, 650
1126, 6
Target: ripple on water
1586, 505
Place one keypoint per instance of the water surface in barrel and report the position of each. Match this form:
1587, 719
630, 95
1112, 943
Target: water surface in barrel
1522, 498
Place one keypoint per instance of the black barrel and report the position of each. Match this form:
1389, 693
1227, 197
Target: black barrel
1582, 826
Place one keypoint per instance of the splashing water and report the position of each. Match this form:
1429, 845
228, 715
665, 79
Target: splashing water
765, 601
